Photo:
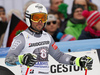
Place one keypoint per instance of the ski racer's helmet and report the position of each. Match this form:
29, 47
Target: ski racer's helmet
32, 13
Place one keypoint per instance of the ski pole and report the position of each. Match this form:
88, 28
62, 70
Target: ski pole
85, 71
27, 70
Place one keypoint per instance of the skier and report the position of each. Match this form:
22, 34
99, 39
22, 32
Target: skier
33, 45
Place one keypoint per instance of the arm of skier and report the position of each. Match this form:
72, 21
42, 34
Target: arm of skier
15, 49
58, 55
63, 58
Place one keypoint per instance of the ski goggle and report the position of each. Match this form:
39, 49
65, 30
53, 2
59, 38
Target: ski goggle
36, 17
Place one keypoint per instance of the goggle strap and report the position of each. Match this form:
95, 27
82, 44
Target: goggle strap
27, 15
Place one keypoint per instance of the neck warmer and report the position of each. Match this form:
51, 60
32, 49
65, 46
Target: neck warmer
77, 21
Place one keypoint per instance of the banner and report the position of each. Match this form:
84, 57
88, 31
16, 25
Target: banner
59, 69
15, 26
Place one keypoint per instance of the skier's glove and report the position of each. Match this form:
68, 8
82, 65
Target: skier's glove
28, 59
85, 62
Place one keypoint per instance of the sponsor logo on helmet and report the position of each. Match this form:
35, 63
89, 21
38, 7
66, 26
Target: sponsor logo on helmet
39, 7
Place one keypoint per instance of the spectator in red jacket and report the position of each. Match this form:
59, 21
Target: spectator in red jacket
92, 30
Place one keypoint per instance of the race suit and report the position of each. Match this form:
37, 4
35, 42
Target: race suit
41, 44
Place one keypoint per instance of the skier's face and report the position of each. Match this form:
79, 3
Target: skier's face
38, 25
38, 20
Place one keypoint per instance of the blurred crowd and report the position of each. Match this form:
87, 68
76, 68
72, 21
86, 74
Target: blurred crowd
82, 23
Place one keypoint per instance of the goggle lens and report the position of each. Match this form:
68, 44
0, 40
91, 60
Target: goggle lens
39, 16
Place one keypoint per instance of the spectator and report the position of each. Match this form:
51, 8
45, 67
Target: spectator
77, 23
59, 7
52, 28
58, 19
25, 7
54, 5
87, 4
92, 30
1, 39
3, 21
2, 14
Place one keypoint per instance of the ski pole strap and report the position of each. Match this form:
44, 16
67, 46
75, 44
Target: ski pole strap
77, 61
20, 58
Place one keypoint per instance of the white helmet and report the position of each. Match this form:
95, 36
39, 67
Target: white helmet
34, 8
